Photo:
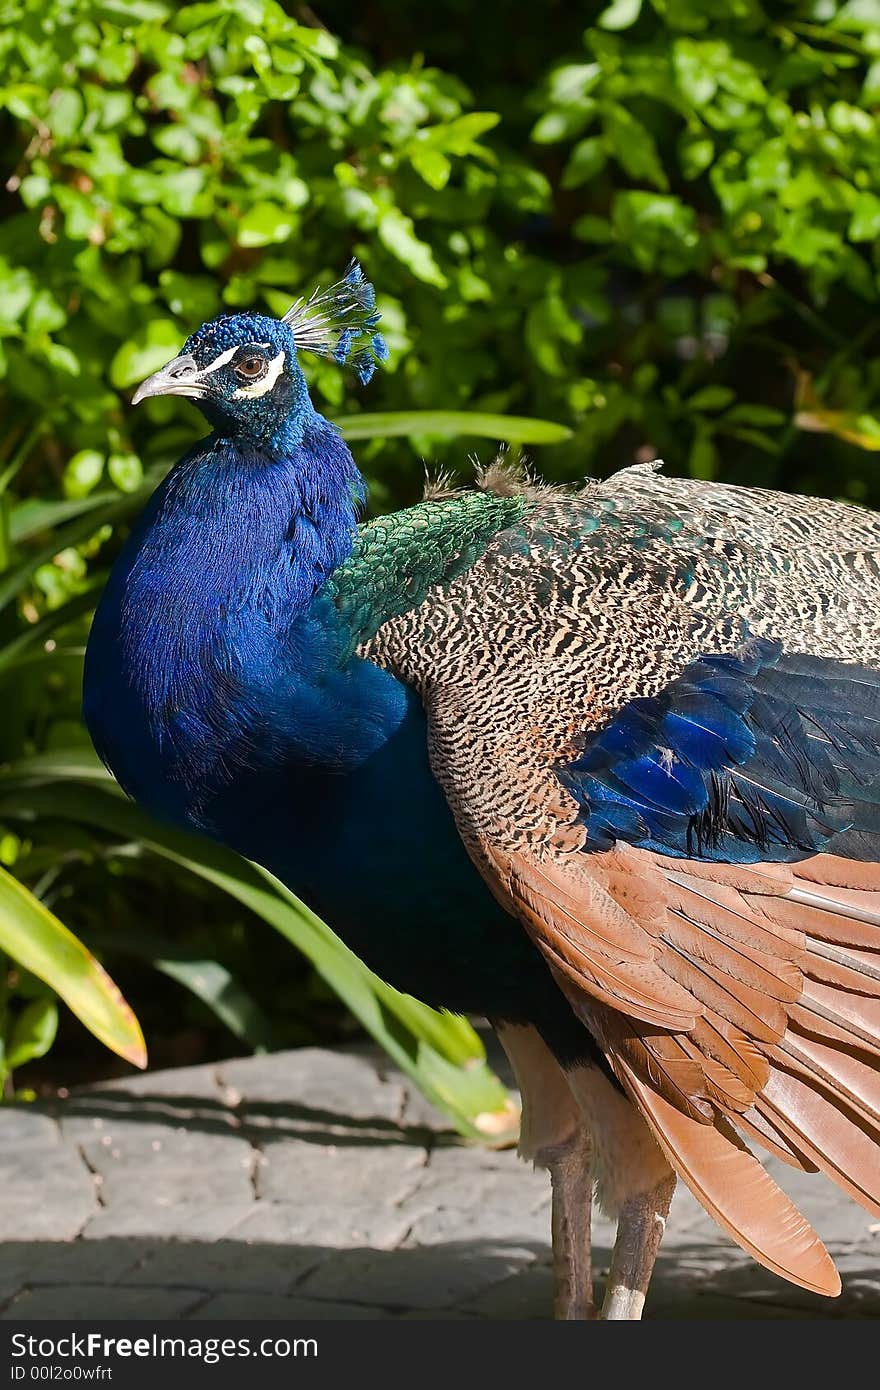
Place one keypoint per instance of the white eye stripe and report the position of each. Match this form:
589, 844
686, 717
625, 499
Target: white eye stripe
219, 361
260, 388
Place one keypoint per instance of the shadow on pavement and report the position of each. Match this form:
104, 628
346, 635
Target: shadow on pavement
149, 1278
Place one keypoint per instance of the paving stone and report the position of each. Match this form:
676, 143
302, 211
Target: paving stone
250, 1305
316, 1087
148, 1185
194, 1220
290, 1169
99, 1301
700, 1306
196, 1083
525, 1232
47, 1194
26, 1127
62, 1262
435, 1315
525, 1297
138, 1124
468, 1178
419, 1278
356, 1221
228, 1265
418, 1113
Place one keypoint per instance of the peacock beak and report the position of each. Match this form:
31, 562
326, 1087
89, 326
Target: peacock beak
182, 377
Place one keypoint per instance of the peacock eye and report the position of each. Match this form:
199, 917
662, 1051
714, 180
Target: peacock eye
250, 367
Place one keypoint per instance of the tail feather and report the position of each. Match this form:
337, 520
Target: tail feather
785, 1048
736, 1190
831, 1136
857, 1012
760, 1128
840, 1073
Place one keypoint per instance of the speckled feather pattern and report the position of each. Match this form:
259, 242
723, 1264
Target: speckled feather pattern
398, 559
595, 597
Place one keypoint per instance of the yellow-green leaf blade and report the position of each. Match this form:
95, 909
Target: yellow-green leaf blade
35, 938
449, 424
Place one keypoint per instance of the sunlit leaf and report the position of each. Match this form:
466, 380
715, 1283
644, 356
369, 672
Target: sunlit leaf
514, 429
414, 1035
34, 937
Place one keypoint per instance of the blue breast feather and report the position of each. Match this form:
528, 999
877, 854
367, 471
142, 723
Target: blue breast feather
760, 755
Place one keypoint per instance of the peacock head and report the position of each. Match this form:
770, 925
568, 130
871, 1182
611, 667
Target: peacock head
242, 369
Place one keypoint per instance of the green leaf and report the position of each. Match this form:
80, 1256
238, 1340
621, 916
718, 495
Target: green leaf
213, 984
865, 221
33, 937
207, 980
633, 146
144, 354
571, 82
45, 314
85, 524
432, 165
703, 459
264, 224
592, 228
621, 14
18, 649
711, 398
33, 1033
451, 424
33, 516
755, 414
861, 429
178, 142
65, 114
183, 193
83, 473
587, 159
126, 471
659, 232
696, 65
460, 136
856, 16
695, 153
397, 234
408, 1030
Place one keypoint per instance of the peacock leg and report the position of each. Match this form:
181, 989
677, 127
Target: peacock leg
571, 1223
553, 1136
640, 1228
633, 1181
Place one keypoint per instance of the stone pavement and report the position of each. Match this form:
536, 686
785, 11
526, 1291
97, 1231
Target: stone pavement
318, 1184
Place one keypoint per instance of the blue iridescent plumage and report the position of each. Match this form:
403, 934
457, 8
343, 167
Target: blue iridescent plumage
222, 689
743, 757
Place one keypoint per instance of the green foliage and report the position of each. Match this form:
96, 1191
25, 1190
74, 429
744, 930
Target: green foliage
608, 231
735, 155
440, 1052
43, 948
698, 198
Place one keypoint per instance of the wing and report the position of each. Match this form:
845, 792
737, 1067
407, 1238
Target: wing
684, 818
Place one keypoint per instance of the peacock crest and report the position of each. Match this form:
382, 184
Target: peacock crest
341, 323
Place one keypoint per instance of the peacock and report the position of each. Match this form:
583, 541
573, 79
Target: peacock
602, 765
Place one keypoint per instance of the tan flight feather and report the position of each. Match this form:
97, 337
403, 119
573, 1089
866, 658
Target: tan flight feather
768, 1047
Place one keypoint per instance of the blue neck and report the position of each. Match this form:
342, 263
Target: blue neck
208, 656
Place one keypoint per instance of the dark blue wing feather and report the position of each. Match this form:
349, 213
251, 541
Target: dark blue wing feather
762, 754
